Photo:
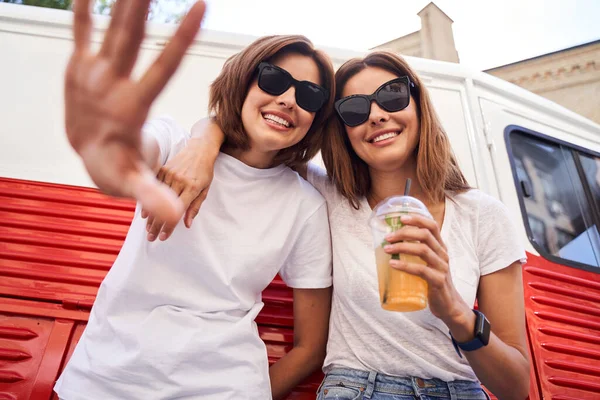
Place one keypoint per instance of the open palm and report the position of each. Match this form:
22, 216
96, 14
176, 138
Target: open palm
105, 108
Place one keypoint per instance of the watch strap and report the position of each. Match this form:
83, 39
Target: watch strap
481, 338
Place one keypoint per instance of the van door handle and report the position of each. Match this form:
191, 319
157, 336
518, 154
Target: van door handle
526, 188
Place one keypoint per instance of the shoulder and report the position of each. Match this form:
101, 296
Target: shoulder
468, 197
308, 195
474, 201
166, 127
163, 122
488, 216
318, 177
478, 213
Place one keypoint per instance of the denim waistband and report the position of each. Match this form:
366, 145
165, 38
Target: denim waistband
369, 382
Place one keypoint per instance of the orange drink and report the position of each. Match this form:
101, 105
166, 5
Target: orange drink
398, 290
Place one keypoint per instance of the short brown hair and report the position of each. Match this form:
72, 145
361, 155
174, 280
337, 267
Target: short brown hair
228, 93
437, 169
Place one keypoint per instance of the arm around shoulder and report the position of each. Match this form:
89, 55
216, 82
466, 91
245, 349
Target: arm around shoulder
208, 135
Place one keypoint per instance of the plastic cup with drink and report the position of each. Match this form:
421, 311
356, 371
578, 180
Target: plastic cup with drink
398, 290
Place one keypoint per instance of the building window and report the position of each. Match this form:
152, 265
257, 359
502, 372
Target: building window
559, 188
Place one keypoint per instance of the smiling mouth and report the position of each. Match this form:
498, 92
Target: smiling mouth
278, 120
384, 136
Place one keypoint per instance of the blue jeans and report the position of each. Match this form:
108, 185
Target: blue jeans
351, 384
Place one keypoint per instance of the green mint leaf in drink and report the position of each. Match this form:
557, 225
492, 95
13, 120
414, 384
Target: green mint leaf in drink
394, 223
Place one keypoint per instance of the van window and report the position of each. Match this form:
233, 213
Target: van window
591, 170
559, 189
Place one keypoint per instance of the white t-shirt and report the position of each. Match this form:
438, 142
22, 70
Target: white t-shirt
175, 319
481, 239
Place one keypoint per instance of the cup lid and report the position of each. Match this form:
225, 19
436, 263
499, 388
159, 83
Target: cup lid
400, 204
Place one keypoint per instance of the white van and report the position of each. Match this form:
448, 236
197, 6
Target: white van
58, 237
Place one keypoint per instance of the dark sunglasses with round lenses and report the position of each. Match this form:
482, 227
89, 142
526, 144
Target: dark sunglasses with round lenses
275, 81
392, 96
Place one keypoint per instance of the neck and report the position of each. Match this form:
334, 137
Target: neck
392, 183
252, 157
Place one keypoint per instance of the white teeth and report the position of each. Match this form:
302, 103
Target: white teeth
385, 136
277, 119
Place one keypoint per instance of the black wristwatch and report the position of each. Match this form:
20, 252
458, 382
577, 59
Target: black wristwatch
482, 335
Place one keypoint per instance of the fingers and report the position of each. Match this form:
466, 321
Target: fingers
82, 24
420, 235
434, 278
420, 250
425, 223
157, 76
116, 22
129, 36
153, 227
157, 229
161, 174
165, 231
153, 196
173, 180
194, 208
188, 196
149, 222
153, 224
162, 230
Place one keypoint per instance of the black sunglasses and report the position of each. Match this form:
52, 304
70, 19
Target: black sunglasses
392, 96
275, 81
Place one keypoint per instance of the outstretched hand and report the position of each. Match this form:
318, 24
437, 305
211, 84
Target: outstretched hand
105, 108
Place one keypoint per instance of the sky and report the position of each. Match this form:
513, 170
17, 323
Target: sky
487, 33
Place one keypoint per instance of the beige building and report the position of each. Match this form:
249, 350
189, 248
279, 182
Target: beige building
569, 77
434, 40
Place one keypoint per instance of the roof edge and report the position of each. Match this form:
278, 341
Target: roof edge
593, 42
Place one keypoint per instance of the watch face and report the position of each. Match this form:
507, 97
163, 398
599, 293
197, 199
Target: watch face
482, 328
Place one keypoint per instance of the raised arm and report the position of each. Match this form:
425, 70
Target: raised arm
189, 174
105, 107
